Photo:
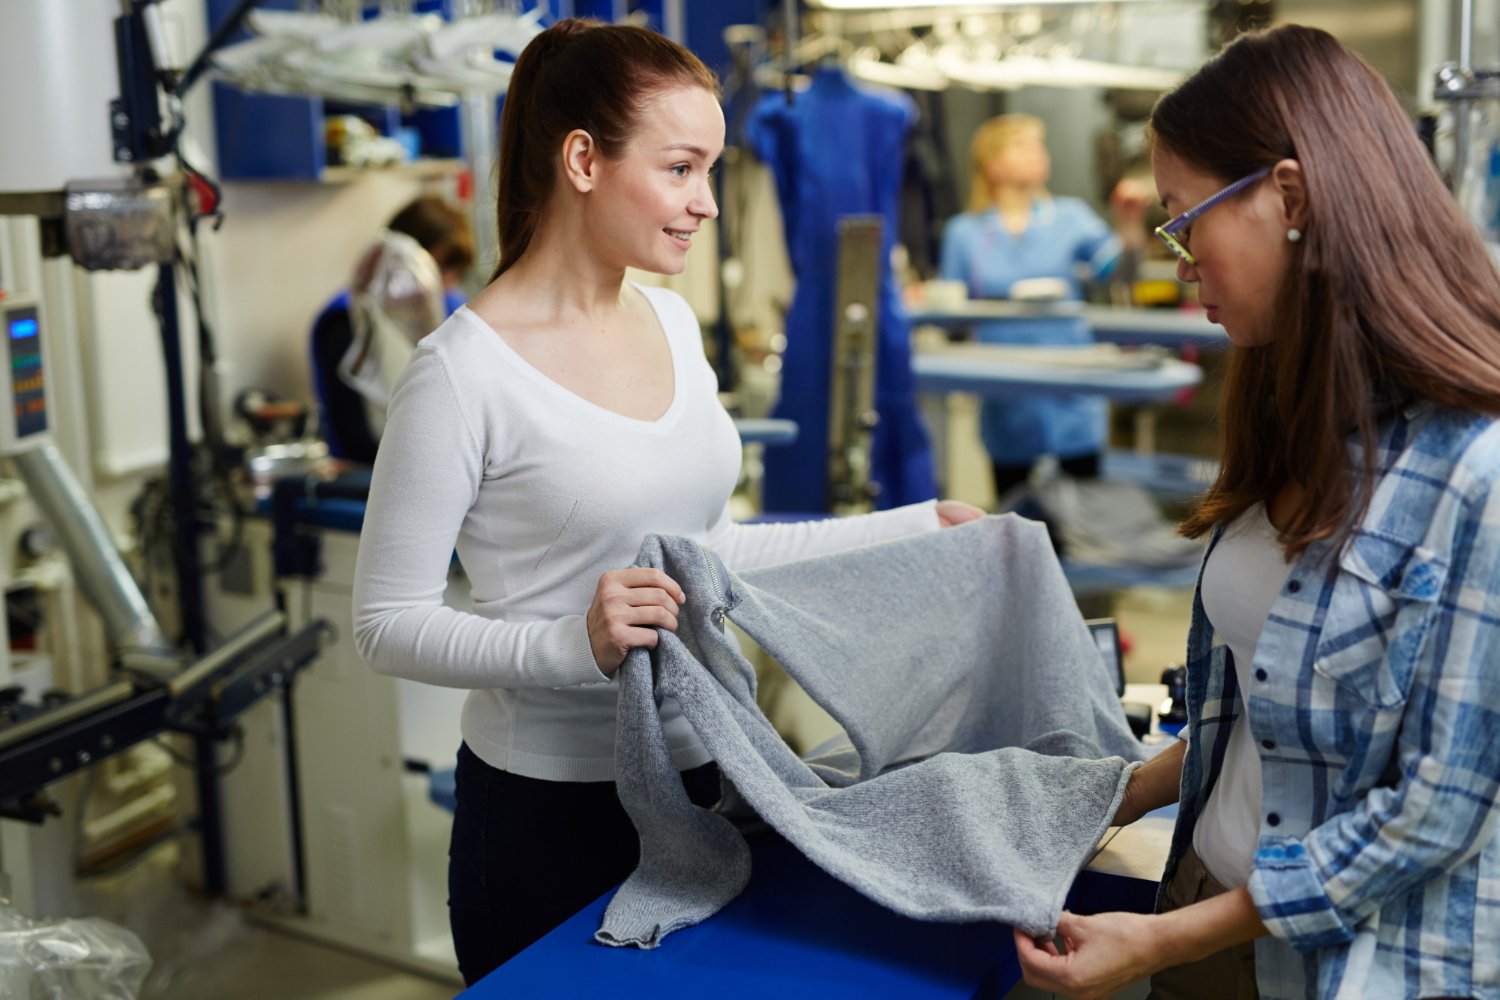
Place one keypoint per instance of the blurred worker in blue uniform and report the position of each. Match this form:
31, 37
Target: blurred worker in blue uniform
1015, 232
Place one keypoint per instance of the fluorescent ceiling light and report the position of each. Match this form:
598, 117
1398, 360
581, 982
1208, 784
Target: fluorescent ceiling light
1014, 72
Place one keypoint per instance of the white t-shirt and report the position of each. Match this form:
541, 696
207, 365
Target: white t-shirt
1244, 576
540, 491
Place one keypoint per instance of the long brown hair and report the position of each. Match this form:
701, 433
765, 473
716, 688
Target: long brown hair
1390, 297
578, 74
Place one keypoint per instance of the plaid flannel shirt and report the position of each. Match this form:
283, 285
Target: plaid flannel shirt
1375, 707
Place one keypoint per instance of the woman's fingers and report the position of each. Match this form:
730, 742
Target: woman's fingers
643, 596
952, 513
1104, 954
1038, 948
648, 614
1041, 964
629, 606
625, 625
640, 577
640, 638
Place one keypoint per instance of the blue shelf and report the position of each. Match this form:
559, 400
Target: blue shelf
265, 137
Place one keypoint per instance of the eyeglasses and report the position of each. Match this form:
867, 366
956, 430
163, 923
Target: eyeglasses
1170, 231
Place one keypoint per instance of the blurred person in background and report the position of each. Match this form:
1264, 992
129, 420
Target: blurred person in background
403, 286
1018, 241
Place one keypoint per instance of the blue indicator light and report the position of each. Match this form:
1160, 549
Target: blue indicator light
22, 328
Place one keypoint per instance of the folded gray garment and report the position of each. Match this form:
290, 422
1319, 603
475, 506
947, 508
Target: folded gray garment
1104, 523
972, 693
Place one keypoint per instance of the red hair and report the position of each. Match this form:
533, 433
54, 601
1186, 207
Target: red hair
578, 74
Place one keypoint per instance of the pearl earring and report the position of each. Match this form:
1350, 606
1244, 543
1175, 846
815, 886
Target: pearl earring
1293, 235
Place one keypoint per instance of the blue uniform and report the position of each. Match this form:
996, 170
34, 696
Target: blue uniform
978, 250
838, 150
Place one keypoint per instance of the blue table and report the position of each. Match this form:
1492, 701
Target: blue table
1165, 327
766, 431
795, 932
967, 369
970, 371
1111, 324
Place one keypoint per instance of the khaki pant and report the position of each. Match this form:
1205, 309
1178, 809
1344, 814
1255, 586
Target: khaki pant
1224, 975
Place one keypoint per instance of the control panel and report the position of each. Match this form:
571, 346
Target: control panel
24, 417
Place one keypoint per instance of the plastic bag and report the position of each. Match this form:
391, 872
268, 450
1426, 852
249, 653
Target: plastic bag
396, 300
75, 959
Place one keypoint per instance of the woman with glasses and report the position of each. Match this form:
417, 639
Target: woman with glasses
1338, 830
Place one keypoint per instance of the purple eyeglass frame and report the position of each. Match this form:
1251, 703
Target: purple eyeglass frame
1169, 230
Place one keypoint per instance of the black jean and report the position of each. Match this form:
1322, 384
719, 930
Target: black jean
527, 854
1085, 466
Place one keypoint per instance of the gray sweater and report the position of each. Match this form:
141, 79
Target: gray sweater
974, 699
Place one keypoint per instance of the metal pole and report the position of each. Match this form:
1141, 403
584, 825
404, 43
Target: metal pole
294, 796
1466, 34
480, 134
789, 40
101, 573
263, 627
1463, 108
189, 580
180, 466
210, 822
674, 22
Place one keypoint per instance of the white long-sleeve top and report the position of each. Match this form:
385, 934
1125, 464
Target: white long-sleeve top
540, 492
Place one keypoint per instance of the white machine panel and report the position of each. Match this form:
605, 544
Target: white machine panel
57, 77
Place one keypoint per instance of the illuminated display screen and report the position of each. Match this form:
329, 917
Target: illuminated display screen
1107, 637
27, 382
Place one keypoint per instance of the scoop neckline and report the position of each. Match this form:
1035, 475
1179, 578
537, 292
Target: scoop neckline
555, 388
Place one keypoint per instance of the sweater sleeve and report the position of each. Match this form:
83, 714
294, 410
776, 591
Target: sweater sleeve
748, 546
1097, 245
427, 475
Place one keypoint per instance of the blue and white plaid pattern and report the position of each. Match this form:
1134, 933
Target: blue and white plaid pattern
1375, 705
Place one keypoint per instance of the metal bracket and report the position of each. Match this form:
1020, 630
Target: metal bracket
202, 700
1457, 83
852, 416
273, 667
119, 224
47, 207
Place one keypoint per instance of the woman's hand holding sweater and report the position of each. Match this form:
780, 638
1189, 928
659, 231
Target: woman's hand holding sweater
629, 605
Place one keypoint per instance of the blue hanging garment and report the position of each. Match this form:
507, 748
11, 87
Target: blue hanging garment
838, 150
